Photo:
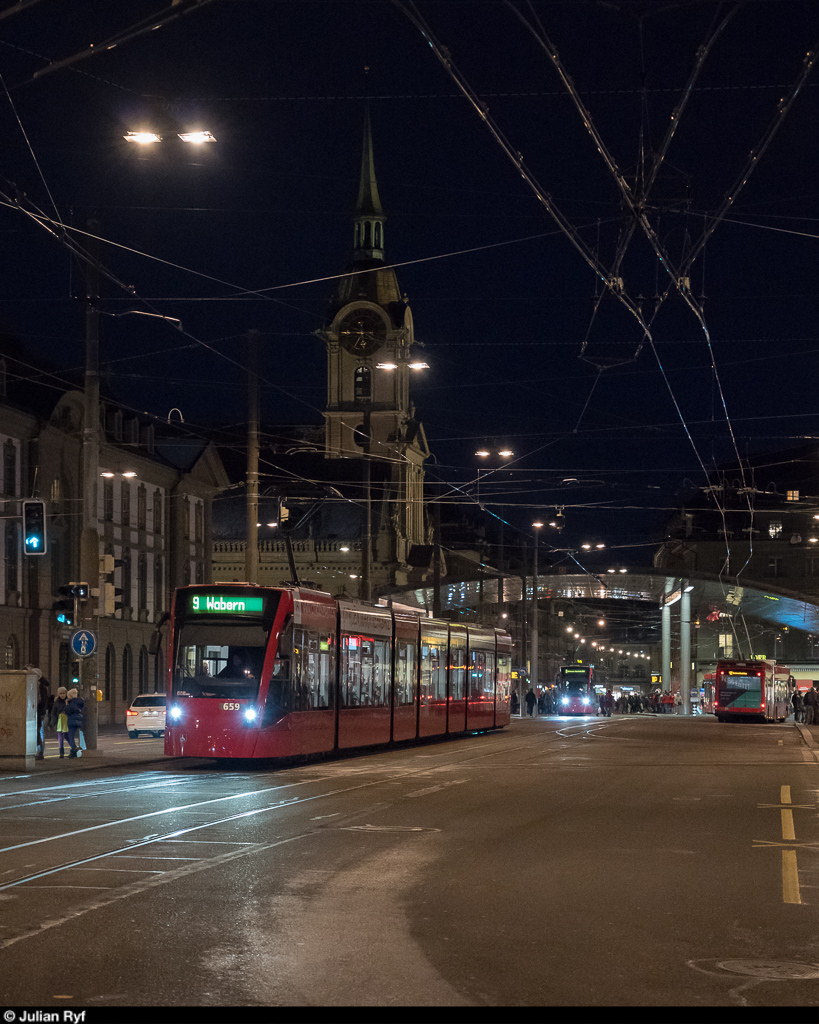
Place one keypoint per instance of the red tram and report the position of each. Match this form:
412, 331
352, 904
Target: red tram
268, 672
576, 691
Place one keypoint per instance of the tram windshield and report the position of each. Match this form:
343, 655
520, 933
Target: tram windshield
214, 660
220, 642
575, 680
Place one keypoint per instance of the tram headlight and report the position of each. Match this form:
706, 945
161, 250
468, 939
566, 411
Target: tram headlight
565, 700
250, 715
175, 712
585, 700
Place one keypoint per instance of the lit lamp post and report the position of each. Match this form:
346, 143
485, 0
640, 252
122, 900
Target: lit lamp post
487, 454
533, 672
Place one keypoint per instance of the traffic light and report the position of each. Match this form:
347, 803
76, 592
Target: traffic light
34, 528
67, 607
65, 612
109, 601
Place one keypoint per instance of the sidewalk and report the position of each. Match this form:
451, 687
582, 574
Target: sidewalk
114, 750
810, 737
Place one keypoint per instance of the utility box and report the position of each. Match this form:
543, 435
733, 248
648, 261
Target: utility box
18, 713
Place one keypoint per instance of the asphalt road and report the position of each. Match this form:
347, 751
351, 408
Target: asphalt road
638, 861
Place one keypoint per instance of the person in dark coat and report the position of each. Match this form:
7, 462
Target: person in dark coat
75, 714
811, 699
531, 700
798, 706
44, 700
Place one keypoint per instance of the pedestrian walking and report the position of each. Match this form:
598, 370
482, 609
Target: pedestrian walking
75, 714
798, 706
810, 700
44, 699
60, 718
531, 700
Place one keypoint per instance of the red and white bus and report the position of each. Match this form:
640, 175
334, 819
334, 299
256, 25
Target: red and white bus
277, 672
576, 694
751, 690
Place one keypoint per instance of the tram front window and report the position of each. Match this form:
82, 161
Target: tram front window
218, 660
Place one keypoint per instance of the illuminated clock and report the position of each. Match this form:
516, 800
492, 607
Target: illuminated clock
362, 332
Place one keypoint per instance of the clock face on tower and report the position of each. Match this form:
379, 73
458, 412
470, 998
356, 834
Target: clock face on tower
362, 332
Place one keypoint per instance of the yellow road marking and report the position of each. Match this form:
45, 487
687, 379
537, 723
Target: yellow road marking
787, 825
785, 794
790, 878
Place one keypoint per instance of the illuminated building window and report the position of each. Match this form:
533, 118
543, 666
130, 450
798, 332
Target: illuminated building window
726, 645
792, 495
363, 384
774, 529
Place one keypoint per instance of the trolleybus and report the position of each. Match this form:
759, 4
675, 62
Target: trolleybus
751, 690
278, 672
576, 691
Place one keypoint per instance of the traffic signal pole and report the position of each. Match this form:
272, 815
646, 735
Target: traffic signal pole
90, 542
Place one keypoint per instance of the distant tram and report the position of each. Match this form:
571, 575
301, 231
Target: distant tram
277, 672
751, 690
576, 690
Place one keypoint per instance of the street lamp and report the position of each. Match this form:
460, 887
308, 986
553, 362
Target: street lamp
486, 454
533, 672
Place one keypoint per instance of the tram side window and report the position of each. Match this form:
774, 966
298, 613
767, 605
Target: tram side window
367, 656
310, 671
504, 677
477, 674
405, 661
457, 672
381, 673
433, 672
350, 671
489, 677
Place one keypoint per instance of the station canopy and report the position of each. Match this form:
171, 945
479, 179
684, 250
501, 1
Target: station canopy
708, 594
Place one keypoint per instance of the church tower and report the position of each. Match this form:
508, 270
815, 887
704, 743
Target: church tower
369, 416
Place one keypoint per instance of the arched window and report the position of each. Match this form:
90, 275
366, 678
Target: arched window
363, 384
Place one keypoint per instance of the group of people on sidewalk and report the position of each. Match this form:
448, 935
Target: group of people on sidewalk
806, 706
64, 713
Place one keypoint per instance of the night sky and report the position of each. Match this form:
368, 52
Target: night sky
526, 346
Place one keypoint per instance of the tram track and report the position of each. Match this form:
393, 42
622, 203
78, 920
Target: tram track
146, 858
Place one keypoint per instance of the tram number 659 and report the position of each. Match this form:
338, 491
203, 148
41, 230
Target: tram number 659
231, 705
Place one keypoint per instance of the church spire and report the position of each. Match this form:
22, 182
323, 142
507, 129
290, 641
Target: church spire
369, 215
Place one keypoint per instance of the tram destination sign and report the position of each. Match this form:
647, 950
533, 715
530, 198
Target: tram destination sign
225, 604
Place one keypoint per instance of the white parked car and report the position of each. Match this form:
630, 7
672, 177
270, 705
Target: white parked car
146, 714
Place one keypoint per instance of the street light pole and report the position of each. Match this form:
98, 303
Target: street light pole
89, 541
533, 672
252, 493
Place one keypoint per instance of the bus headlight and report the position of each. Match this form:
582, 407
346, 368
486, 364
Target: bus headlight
585, 700
176, 712
565, 700
250, 715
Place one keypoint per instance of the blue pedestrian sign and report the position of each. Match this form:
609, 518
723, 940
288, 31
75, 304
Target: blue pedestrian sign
83, 643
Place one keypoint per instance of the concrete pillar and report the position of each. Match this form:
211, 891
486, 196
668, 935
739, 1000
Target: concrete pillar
665, 664
685, 649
